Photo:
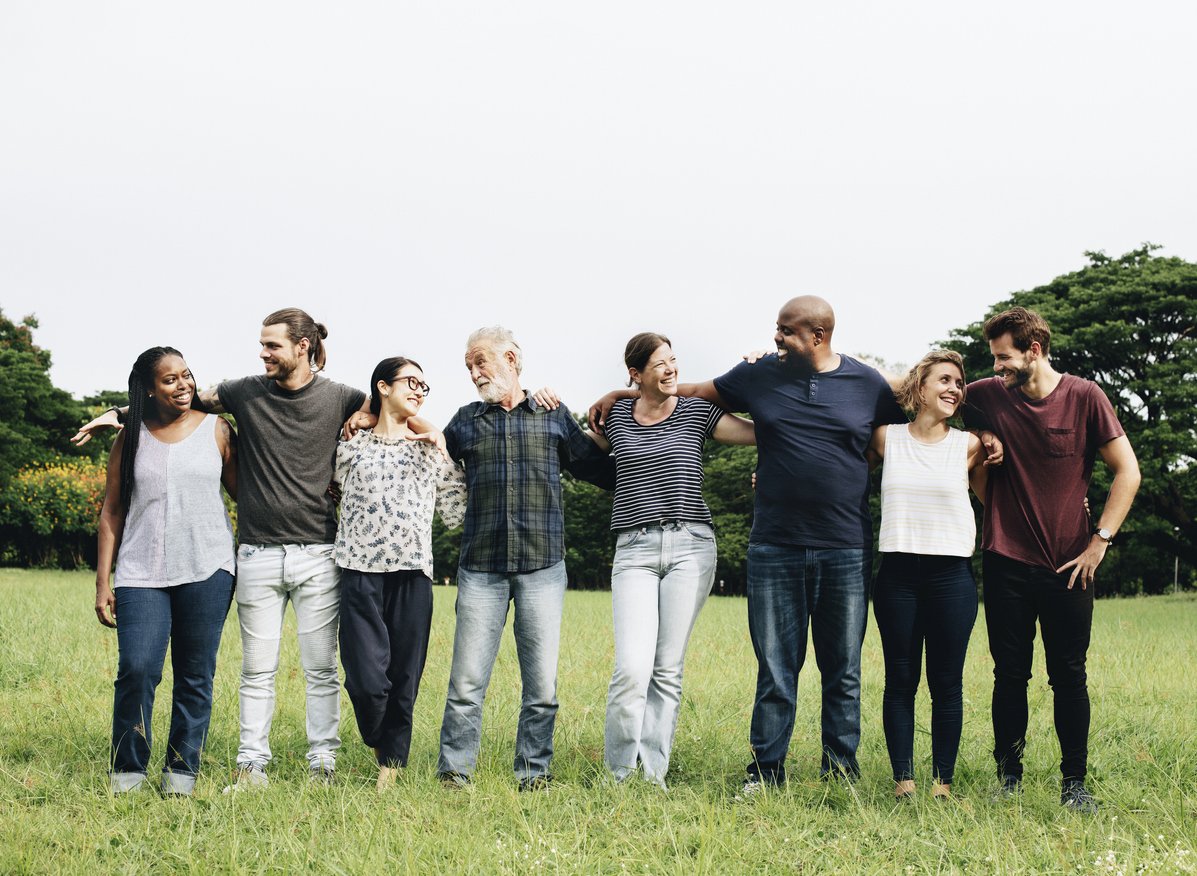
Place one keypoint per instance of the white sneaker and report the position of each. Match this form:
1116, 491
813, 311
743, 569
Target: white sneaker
250, 776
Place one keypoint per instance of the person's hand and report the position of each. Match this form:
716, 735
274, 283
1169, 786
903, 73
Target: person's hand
547, 398
753, 356
436, 438
754, 481
597, 415
105, 604
106, 420
357, 421
994, 451
334, 490
1085, 566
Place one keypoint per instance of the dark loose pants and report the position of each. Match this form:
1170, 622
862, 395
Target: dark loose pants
1016, 595
385, 622
924, 600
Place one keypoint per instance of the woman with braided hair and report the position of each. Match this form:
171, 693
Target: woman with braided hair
164, 513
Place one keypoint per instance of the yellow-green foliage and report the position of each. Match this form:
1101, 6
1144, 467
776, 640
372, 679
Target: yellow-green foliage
48, 512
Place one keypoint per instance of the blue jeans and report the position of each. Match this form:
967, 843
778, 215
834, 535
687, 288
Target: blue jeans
660, 580
789, 590
929, 600
190, 618
482, 602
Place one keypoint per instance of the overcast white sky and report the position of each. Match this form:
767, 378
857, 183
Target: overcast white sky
170, 173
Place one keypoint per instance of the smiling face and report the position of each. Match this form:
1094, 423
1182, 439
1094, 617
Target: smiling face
942, 389
795, 339
494, 375
404, 395
173, 388
1015, 367
659, 375
280, 354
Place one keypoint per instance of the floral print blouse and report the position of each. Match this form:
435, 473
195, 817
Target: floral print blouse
389, 490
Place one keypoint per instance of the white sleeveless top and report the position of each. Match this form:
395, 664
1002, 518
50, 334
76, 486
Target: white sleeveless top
924, 495
176, 528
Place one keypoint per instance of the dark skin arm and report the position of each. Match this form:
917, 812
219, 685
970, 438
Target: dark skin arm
226, 440
599, 410
108, 538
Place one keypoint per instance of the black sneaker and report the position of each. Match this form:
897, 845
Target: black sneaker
1009, 787
1075, 796
535, 783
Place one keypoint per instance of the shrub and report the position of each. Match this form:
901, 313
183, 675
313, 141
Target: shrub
48, 514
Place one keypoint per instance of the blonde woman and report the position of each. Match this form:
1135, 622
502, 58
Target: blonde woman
925, 595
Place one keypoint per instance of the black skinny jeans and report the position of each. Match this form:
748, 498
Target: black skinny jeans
1017, 594
386, 618
933, 600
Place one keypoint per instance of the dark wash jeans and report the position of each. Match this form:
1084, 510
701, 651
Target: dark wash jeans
1016, 594
931, 600
789, 590
190, 618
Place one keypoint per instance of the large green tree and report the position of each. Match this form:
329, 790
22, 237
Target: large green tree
36, 417
1130, 324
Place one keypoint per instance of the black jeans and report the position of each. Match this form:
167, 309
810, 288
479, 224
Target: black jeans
933, 600
386, 618
1017, 594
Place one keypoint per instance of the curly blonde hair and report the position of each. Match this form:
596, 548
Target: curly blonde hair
908, 392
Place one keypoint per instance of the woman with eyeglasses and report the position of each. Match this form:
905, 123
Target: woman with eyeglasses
391, 482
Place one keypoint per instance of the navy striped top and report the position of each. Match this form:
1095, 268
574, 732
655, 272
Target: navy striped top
658, 468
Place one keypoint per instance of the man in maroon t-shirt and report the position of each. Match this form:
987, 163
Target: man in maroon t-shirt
1037, 540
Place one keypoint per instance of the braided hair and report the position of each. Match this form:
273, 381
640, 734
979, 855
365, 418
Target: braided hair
141, 379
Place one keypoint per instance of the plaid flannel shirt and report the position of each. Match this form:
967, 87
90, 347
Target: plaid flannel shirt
513, 461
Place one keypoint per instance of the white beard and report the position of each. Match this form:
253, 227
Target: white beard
495, 391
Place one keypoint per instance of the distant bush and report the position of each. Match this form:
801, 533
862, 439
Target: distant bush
48, 514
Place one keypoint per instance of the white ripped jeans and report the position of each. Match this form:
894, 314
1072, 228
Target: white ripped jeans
267, 577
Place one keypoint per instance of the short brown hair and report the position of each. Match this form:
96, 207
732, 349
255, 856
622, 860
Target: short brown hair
908, 392
1025, 327
299, 326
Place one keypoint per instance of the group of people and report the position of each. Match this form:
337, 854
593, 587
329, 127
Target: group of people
820, 421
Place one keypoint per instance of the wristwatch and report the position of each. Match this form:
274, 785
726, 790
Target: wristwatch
120, 418
1105, 535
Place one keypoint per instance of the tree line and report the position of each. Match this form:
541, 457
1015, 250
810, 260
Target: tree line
1129, 323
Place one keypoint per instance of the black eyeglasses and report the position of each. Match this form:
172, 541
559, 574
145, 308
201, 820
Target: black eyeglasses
414, 383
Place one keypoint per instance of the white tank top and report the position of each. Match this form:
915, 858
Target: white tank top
176, 528
924, 495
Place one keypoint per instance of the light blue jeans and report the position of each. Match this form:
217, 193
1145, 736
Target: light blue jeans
268, 577
482, 602
660, 580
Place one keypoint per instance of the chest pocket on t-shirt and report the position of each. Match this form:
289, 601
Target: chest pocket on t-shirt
1061, 442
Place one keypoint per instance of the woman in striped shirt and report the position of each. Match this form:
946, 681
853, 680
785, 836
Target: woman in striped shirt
664, 551
925, 592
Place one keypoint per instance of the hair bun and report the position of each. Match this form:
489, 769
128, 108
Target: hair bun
321, 330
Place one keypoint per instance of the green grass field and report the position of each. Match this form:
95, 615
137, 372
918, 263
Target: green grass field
56, 815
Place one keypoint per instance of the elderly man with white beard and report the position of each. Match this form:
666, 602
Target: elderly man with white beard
512, 551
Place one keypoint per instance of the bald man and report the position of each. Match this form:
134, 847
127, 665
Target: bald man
809, 553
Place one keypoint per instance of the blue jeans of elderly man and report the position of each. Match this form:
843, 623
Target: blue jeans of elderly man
512, 552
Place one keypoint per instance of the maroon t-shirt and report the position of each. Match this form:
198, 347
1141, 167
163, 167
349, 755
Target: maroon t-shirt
1034, 506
